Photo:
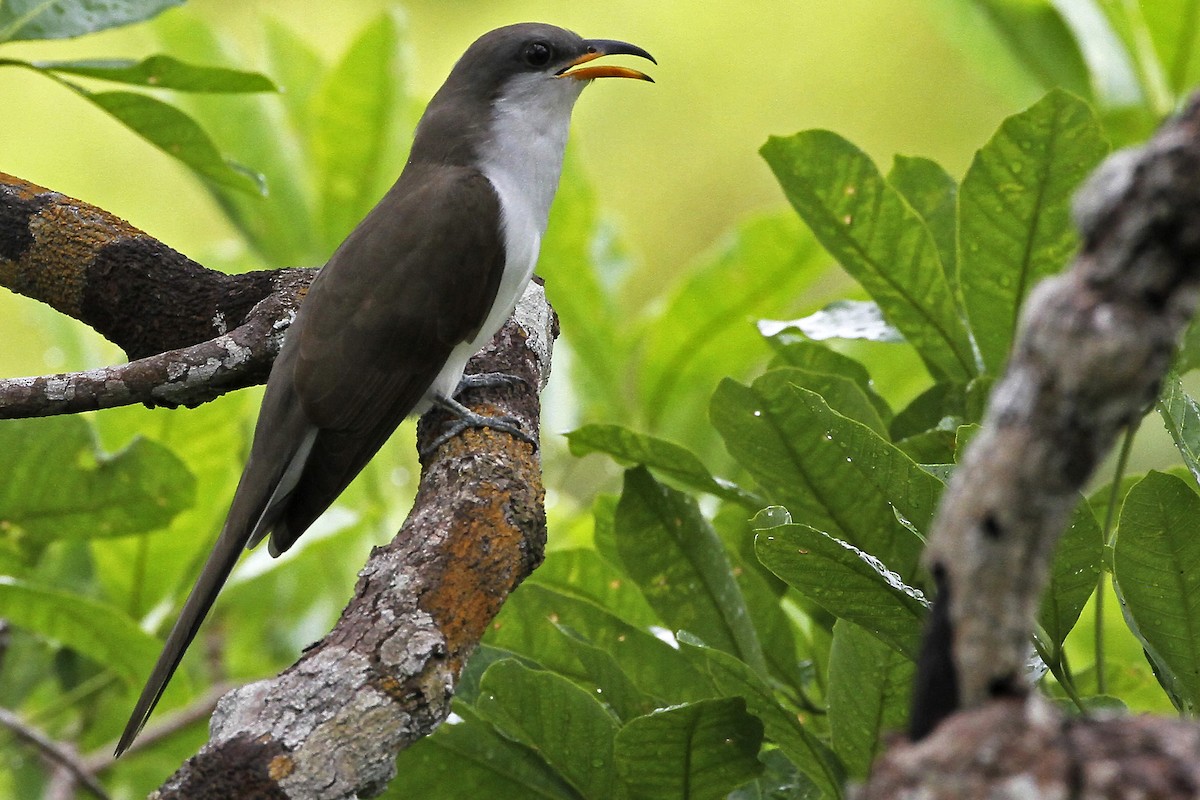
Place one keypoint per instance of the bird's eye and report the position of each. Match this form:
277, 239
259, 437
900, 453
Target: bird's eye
538, 54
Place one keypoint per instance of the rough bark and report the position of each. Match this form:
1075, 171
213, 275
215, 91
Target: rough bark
1090, 356
329, 726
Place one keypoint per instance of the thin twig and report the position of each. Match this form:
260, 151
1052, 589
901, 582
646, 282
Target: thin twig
57, 753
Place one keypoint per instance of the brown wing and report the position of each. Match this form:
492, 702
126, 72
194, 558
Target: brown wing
417, 278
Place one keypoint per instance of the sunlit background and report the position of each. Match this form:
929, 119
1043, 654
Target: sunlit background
675, 164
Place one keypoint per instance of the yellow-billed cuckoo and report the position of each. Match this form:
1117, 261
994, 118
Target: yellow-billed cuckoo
418, 287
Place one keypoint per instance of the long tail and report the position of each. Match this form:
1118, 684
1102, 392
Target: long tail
260, 499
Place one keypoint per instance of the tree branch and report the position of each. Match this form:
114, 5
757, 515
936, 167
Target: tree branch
1090, 357
61, 755
330, 725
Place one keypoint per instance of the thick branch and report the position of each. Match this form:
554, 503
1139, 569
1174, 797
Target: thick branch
330, 726
1093, 348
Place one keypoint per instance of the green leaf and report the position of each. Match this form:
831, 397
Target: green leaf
526, 626
733, 678
351, 115
933, 194
55, 484
767, 267
93, 629
667, 458
880, 240
830, 472
1022, 45
1105, 41
846, 582
176, 134
613, 686
163, 72
870, 686
279, 227
1073, 574
780, 781
478, 761
700, 751
1181, 414
793, 349
1156, 569
679, 562
562, 723
1014, 212
582, 573
61, 19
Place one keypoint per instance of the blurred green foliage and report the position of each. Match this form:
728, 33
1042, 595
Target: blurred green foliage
733, 600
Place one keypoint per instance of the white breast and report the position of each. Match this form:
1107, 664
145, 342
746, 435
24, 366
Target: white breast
523, 161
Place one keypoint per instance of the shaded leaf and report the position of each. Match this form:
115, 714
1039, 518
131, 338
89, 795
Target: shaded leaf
870, 687
700, 751
847, 582
793, 349
1073, 574
478, 761
613, 686
56, 484
679, 562
1156, 570
584, 574
567, 727
93, 629
733, 678
931, 191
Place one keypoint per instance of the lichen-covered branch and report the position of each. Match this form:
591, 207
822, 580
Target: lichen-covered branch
330, 725
1094, 345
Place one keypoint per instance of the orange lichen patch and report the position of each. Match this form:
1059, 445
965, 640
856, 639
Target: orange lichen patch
24, 189
391, 687
484, 559
66, 238
280, 767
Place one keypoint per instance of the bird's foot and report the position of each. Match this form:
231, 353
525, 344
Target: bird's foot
488, 380
466, 418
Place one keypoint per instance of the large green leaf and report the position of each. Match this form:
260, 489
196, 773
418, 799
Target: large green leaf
527, 626
876, 235
56, 484
351, 121
162, 72
1156, 569
1021, 45
846, 582
176, 134
794, 349
562, 723
1014, 212
666, 458
830, 472
698, 751
733, 678
613, 687
61, 19
279, 227
584, 574
96, 630
1073, 574
679, 562
933, 194
870, 686
478, 761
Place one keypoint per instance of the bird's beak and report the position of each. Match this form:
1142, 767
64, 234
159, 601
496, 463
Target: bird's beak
606, 47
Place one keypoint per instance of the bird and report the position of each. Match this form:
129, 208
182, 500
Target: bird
419, 286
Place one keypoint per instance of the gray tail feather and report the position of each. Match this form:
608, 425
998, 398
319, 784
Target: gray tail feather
235, 536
